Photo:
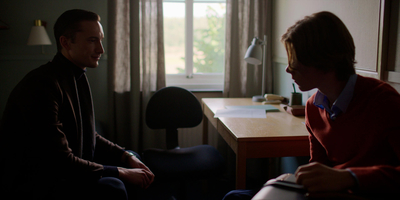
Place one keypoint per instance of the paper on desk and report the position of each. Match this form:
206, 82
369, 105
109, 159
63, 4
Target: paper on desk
241, 113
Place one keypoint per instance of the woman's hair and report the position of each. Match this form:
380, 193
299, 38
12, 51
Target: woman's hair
321, 41
69, 23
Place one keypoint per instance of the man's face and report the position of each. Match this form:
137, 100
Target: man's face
86, 49
307, 78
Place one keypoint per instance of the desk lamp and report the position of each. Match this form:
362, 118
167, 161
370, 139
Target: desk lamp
253, 56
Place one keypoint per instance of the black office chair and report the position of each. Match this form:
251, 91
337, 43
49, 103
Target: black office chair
171, 108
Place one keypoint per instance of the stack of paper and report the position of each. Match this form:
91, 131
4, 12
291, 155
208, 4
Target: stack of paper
253, 111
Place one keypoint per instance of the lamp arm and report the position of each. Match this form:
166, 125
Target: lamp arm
264, 63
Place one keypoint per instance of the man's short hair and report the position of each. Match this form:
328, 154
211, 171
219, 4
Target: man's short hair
321, 41
69, 23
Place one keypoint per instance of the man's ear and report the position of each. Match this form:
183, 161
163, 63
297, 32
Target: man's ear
65, 42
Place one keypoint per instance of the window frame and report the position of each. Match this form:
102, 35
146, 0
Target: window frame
190, 80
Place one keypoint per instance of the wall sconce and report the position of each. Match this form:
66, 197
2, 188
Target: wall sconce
38, 35
255, 55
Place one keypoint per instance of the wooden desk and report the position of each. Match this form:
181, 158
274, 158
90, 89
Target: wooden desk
279, 135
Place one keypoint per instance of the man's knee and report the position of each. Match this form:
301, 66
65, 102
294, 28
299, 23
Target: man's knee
111, 188
240, 195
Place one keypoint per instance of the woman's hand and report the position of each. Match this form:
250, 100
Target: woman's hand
317, 177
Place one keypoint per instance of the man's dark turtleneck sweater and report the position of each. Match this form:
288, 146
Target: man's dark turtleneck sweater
87, 113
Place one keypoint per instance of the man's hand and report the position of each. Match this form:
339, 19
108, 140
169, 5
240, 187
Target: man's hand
137, 176
133, 162
317, 177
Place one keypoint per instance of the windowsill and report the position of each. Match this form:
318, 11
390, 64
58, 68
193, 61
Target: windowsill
205, 90
198, 82
199, 88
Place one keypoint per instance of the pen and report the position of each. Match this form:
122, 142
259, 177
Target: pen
294, 88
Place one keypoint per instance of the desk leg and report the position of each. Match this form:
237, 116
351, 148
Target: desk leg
205, 129
241, 166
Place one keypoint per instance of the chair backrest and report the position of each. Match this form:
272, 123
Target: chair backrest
171, 108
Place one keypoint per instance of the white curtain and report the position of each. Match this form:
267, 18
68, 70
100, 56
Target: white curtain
246, 19
135, 68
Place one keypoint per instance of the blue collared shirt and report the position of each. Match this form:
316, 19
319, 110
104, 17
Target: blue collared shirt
339, 106
341, 103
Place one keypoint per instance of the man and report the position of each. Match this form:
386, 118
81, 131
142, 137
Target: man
49, 146
353, 121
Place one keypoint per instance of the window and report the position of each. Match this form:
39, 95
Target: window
194, 41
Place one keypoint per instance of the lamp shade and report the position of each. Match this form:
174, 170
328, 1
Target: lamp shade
254, 53
38, 36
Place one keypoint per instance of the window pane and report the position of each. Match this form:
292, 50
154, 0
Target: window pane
209, 37
174, 37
